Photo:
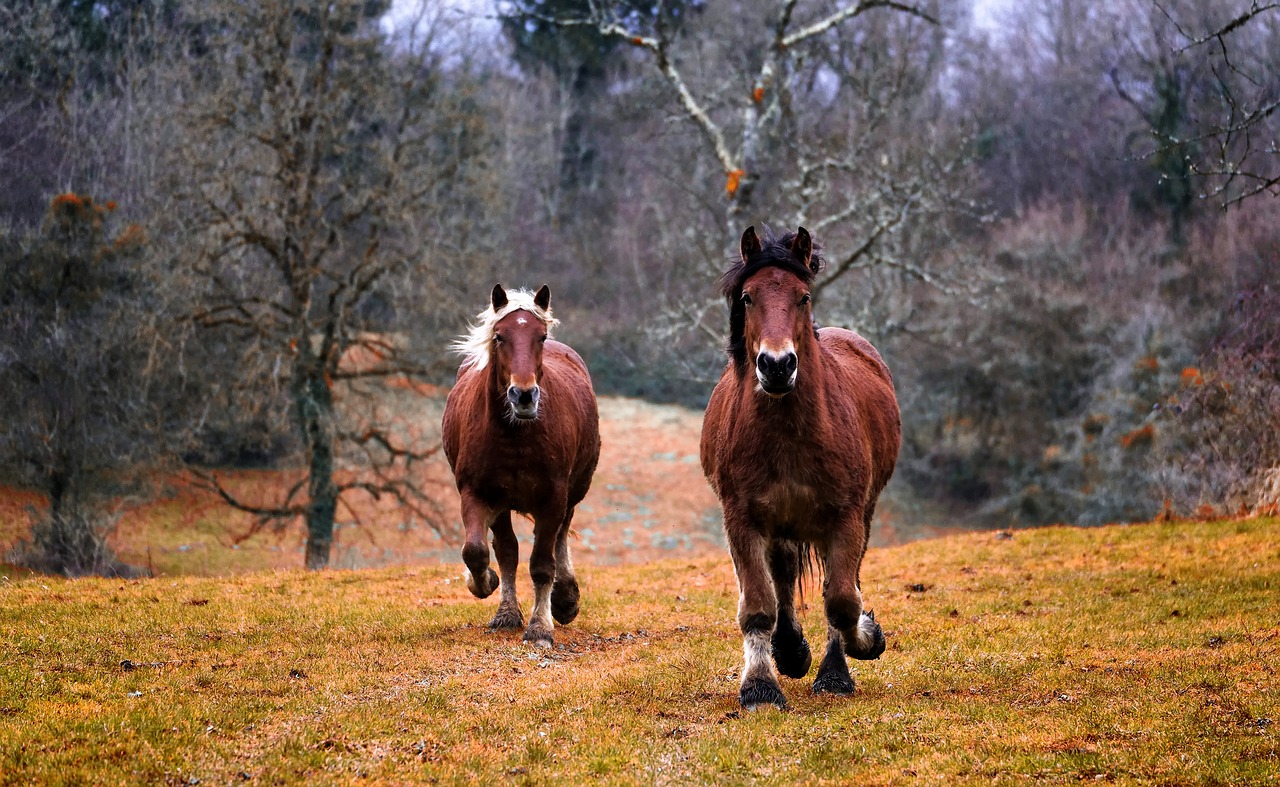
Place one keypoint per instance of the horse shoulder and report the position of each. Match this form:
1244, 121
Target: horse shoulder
459, 412
713, 421
852, 350
566, 380
568, 372
868, 382
562, 351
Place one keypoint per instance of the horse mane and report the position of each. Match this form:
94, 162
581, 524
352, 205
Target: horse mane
474, 345
775, 252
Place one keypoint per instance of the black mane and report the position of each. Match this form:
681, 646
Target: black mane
775, 252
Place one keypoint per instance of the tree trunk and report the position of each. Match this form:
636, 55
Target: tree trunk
315, 415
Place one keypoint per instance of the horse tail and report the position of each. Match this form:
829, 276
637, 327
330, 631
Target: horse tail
808, 567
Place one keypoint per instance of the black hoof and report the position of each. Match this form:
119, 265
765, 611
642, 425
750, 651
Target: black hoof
791, 654
866, 653
564, 602
507, 619
755, 693
833, 683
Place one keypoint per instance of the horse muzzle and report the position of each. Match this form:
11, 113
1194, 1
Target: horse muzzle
523, 401
777, 373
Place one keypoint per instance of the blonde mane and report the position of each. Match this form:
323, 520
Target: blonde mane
475, 344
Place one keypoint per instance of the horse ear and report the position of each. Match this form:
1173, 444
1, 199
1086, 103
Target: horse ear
542, 298
498, 298
802, 249
750, 243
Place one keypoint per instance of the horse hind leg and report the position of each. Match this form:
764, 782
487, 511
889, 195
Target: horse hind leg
564, 591
790, 649
507, 550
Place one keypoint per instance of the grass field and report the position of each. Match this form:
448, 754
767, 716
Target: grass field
1124, 654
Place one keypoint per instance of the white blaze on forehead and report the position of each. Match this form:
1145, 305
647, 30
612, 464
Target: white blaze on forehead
474, 346
521, 321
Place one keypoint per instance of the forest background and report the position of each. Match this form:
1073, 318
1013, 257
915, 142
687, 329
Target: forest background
229, 230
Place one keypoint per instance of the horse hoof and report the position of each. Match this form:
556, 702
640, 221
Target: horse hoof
792, 659
485, 589
564, 602
507, 620
868, 641
538, 639
833, 683
755, 693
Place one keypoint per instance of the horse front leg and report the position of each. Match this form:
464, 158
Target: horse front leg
850, 630
564, 592
790, 649
477, 517
757, 613
542, 570
507, 550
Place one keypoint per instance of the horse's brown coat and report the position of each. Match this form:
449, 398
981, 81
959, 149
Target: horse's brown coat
804, 467
541, 467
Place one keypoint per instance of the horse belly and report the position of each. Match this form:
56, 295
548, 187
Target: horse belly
792, 510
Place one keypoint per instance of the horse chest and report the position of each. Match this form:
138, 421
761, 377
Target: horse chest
792, 482
517, 474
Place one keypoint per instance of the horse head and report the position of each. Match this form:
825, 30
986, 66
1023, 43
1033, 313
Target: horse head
519, 333
770, 320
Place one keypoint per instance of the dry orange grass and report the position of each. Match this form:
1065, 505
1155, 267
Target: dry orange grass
1121, 654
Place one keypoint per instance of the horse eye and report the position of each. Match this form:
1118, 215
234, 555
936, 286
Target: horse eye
497, 338
746, 299
542, 339
805, 299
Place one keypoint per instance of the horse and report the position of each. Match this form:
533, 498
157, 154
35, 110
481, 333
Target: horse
800, 436
521, 432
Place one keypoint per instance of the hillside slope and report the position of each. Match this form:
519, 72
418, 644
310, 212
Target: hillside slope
1139, 653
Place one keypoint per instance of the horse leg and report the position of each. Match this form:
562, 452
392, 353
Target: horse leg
564, 592
833, 673
542, 570
869, 641
850, 630
477, 518
507, 550
790, 649
757, 613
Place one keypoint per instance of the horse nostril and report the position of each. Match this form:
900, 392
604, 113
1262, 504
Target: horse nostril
526, 397
762, 363
791, 362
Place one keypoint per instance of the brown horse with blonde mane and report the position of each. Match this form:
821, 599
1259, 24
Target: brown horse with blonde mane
522, 433
801, 435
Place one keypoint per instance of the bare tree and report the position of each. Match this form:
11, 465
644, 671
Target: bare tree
333, 184
81, 345
758, 123
823, 114
1240, 127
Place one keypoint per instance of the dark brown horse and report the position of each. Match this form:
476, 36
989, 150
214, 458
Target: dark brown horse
800, 437
522, 433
